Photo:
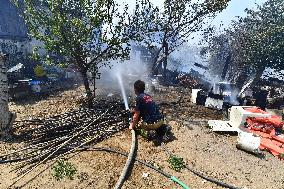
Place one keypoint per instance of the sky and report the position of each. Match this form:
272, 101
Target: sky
235, 8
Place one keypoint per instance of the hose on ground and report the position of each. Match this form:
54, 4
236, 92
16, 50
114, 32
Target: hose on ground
201, 175
215, 181
128, 162
125, 154
173, 178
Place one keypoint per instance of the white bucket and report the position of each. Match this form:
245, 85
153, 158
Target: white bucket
248, 142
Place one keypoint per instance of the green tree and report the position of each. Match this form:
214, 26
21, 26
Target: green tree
164, 30
85, 33
255, 42
263, 37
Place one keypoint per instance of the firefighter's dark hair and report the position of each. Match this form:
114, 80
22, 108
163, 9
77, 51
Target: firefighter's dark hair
139, 86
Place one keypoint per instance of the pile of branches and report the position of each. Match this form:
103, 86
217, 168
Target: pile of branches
66, 133
188, 81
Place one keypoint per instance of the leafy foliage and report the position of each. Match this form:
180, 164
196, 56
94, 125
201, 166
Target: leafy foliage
64, 169
142, 132
263, 31
254, 42
14, 54
163, 30
86, 33
176, 163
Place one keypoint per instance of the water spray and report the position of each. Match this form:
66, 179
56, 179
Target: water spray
122, 91
133, 147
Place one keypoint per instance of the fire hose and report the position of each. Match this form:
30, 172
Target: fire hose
173, 178
201, 175
128, 162
215, 181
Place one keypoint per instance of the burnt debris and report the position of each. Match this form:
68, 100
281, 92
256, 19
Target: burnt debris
63, 134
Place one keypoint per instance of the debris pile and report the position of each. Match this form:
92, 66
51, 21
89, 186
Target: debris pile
188, 81
264, 124
63, 134
269, 129
257, 129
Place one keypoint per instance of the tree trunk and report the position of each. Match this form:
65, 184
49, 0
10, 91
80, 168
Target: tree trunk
166, 51
94, 92
245, 75
258, 73
155, 62
94, 83
241, 79
87, 88
94, 75
226, 67
5, 115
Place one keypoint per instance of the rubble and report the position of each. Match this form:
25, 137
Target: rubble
256, 129
188, 81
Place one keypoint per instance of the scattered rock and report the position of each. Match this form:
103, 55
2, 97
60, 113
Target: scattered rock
145, 175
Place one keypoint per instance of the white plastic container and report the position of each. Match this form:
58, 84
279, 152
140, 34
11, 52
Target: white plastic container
248, 142
238, 115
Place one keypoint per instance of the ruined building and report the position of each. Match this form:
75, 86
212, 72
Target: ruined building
12, 26
13, 32
14, 39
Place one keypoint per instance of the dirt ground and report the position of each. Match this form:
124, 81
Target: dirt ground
213, 154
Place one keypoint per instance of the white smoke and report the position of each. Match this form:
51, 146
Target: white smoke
128, 71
